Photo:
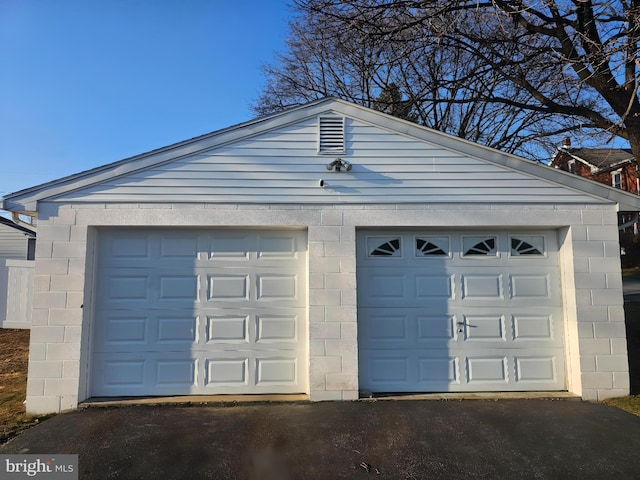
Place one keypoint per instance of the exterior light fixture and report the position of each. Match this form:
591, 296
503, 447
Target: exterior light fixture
338, 165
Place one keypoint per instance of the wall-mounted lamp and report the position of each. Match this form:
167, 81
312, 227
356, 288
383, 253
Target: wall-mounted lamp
338, 165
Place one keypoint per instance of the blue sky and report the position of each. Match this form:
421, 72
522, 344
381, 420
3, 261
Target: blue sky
89, 82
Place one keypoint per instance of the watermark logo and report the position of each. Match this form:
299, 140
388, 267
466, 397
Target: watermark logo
50, 467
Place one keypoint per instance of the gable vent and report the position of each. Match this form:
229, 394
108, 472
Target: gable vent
331, 135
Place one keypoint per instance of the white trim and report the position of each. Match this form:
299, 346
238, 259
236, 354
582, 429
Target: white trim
614, 174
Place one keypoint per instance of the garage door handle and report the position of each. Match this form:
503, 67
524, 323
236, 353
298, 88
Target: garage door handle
460, 323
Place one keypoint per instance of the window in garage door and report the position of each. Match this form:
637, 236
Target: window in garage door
459, 311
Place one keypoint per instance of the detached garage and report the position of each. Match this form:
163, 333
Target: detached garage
331, 251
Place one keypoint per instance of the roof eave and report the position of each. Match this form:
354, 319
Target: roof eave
26, 200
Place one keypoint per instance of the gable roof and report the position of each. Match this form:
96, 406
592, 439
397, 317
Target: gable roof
8, 223
599, 159
75, 187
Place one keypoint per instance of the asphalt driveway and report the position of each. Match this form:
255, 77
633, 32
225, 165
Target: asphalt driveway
453, 439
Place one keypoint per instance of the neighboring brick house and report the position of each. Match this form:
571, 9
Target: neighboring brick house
615, 167
612, 166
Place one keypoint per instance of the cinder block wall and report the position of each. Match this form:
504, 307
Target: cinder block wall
604, 366
59, 365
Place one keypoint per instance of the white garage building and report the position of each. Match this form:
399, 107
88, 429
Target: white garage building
328, 250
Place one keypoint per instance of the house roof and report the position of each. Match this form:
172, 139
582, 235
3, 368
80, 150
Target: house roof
25, 201
8, 223
600, 158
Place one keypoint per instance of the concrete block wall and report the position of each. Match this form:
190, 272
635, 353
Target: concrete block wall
60, 358
600, 311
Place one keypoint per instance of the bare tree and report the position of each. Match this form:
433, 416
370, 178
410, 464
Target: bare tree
513, 74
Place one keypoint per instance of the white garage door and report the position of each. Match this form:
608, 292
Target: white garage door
459, 311
200, 312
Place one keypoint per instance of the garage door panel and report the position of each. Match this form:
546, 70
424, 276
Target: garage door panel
228, 287
389, 286
277, 370
385, 290
142, 286
274, 287
387, 371
155, 371
177, 330
226, 372
389, 328
265, 329
486, 287
200, 312
483, 313
280, 247
487, 370
436, 328
124, 372
178, 288
227, 328
125, 287
536, 369
176, 373
130, 247
490, 328
126, 329
274, 328
438, 371
530, 286
533, 328
434, 286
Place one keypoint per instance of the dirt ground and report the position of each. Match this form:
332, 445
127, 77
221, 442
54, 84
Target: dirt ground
14, 357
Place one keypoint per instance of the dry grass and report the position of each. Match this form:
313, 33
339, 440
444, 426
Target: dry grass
14, 345
628, 404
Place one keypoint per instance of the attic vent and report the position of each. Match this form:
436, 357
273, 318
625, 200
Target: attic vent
331, 135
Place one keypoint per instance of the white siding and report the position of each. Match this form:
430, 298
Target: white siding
282, 166
13, 243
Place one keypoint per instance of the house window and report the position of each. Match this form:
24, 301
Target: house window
572, 166
616, 179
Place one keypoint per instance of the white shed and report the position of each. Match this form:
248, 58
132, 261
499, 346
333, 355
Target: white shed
329, 250
16, 242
